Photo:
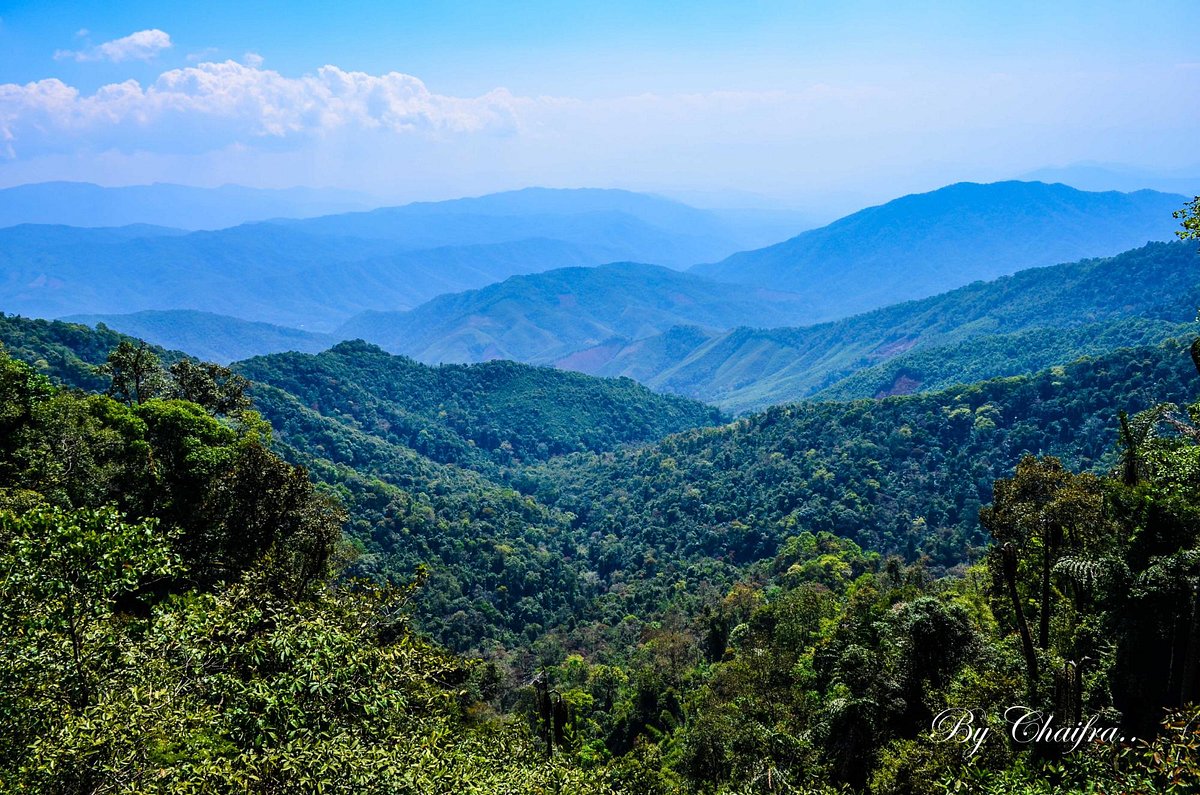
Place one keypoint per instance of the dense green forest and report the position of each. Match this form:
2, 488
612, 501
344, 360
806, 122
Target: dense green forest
498, 413
980, 358
352, 572
903, 475
169, 621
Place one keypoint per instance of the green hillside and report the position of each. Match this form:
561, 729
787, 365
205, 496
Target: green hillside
1004, 327
416, 454
482, 415
939, 367
64, 352
700, 605
543, 317
903, 474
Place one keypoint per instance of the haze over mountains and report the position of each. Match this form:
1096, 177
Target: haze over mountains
213, 338
543, 317
684, 232
179, 206
920, 245
1014, 325
564, 278
1117, 176
315, 274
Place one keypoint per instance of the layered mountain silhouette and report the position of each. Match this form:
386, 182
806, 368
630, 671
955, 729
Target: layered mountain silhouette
924, 244
543, 317
1013, 325
317, 273
181, 206
214, 338
519, 276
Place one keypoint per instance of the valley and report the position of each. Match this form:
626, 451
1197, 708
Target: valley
641, 485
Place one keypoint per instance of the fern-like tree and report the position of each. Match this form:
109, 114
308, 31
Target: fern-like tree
1038, 516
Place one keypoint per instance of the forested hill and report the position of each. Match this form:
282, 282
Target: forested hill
500, 565
696, 607
902, 474
496, 413
67, 353
501, 412
543, 317
399, 440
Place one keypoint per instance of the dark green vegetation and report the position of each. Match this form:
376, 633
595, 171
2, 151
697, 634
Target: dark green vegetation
782, 604
478, 416
934, 368
924, 244
545, 317
314, 274
168, 622
716, 612
904, 475
66, 352
1011, 326
418, 455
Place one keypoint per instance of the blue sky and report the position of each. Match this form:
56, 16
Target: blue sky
796, 102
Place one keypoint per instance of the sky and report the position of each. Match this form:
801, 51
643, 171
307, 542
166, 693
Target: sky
754, 103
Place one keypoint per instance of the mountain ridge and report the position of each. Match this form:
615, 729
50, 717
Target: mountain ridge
86, 204
747, 368
540, 318
316, 274
923, 244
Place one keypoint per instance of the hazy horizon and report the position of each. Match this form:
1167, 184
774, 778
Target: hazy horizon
768, 105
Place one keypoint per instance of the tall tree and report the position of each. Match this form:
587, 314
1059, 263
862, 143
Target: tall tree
136, 371
218, 389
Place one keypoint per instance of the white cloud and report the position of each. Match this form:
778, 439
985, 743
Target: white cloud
391, 133
141, 46
210, 105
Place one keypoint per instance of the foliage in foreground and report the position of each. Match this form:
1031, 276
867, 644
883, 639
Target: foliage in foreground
169, 623
135, 656
228, 691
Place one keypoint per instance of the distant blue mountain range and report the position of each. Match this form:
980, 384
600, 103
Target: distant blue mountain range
179, 206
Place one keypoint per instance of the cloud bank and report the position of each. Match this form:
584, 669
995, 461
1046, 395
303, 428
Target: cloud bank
236, 121
210, 105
